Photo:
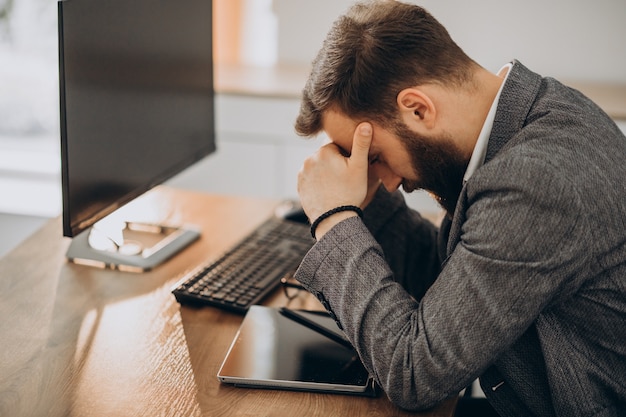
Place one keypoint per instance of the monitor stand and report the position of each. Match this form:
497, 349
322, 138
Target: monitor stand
135, 247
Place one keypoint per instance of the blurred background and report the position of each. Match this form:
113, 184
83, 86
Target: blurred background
263, 49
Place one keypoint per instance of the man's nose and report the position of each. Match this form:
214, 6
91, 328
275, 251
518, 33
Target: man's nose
390, 180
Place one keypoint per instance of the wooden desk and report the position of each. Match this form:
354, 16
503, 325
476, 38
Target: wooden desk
78, 341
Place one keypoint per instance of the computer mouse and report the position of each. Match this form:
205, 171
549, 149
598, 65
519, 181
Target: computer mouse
291, 210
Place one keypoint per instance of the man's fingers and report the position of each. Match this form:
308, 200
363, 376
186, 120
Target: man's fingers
361, 142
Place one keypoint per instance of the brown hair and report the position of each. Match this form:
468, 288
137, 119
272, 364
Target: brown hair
373, 52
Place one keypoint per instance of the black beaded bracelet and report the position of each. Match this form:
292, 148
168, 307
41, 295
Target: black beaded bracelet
329, 213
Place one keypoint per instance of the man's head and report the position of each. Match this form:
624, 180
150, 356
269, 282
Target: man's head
372, 53
379, 63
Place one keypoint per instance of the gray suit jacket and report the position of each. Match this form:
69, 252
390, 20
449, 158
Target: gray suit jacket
527, 285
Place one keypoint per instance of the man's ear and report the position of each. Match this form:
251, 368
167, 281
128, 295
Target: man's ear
417, 110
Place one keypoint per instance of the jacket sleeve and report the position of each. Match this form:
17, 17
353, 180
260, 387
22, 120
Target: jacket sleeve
408, 241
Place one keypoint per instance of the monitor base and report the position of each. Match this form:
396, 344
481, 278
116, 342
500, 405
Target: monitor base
141, 247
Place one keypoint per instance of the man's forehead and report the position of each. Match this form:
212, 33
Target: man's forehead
339, 128
333, 119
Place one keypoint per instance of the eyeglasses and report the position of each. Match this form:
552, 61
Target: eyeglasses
291, 287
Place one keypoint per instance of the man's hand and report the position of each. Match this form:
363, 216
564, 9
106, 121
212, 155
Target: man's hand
329, 179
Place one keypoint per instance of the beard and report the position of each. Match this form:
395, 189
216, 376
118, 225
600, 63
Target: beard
438, 163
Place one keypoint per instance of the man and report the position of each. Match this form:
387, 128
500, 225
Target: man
524, 283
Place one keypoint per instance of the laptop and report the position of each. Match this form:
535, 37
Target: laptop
273, 350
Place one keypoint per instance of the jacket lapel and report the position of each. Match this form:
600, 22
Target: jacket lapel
518, 95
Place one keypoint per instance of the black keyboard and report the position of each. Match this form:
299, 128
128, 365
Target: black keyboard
248, 272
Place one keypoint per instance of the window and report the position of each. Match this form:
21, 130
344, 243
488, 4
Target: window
245, 33
28, 74
29, 110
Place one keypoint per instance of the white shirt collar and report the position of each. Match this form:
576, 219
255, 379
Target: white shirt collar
480, 149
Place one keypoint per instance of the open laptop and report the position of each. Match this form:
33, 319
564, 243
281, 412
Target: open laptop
272, 350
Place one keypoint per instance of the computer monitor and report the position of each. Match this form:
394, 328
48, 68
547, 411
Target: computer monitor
137, 107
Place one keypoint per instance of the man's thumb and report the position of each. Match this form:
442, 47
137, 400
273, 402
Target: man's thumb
361, 142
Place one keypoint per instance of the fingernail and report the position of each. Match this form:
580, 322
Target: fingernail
365, 129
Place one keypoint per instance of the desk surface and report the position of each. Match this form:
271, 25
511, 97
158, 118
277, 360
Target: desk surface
78, 341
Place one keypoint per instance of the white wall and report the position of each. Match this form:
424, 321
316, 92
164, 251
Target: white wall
566, 39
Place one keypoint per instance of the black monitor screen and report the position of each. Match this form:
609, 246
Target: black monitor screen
137, 100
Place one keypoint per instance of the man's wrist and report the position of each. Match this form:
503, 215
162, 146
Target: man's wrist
329, 219
330, 222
